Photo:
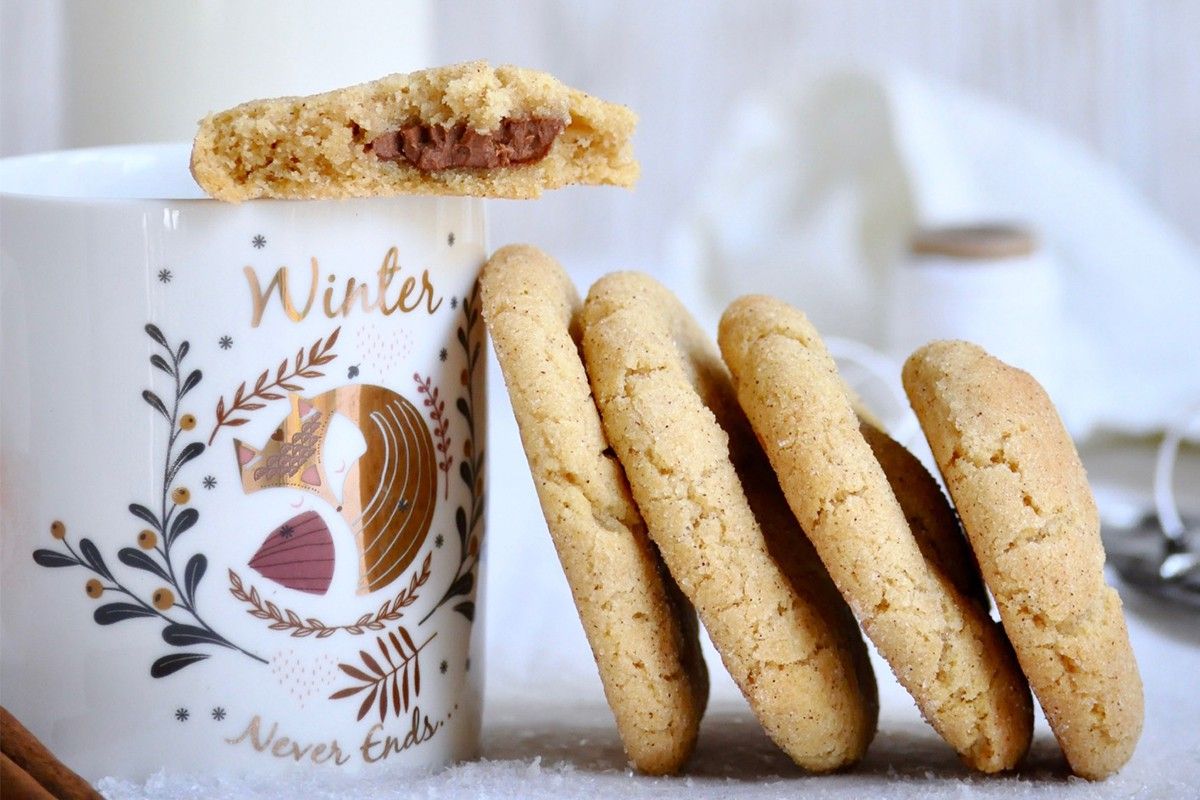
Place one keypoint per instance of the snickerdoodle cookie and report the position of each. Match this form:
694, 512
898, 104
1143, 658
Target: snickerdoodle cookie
466, 129
940, 642
642, 632
1024, 500
715, 511
930, 517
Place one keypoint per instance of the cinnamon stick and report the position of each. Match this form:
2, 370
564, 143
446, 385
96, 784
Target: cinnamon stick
17, 784
30, 757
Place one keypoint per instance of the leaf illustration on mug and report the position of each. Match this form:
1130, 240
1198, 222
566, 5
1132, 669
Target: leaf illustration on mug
174, 601
285, 619
467, 518
243, 402
432, 400
391, 687
168, 665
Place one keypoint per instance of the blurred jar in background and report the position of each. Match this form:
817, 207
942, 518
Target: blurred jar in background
137, 71
990, 284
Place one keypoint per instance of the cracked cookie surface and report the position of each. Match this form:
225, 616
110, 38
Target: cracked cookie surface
940, 642
642, 632
714, 508
930, 518
1024, 500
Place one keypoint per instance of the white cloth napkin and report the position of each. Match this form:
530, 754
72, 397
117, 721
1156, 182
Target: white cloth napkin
816, 189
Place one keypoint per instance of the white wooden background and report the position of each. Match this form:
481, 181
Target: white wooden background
1121, 75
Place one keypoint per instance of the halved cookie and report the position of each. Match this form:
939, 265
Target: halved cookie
467, 129
715, 511
942, 645
1024, 500
641, 630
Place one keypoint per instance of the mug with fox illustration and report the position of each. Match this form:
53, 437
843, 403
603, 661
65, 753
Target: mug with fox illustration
243, 472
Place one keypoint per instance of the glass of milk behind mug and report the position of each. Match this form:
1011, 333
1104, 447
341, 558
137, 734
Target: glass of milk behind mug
136, 71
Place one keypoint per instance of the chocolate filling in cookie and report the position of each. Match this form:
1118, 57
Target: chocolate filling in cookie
430, 148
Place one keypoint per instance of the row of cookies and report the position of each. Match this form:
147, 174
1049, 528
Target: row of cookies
744, 485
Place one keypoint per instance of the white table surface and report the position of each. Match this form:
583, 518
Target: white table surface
548, 734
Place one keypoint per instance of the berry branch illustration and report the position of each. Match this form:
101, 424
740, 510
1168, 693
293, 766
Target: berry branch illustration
470, 469
287, 620
303, 365
176, 600
390, 686
441, 424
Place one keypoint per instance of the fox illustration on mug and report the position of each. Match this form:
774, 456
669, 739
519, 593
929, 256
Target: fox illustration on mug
389, 493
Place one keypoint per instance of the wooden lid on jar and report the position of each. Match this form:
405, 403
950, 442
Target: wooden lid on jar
983, 242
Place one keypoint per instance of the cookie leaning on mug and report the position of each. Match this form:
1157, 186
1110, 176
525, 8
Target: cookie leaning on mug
642, 632
930, 517
715, 511
466, 129
1024, 500
942, 645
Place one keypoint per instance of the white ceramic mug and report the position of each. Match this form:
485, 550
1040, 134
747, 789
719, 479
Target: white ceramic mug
242, 489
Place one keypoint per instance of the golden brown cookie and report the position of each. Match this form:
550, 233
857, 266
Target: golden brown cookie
929, 515
642, 632
942, 645
466, 129
1024, 500
715, 511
